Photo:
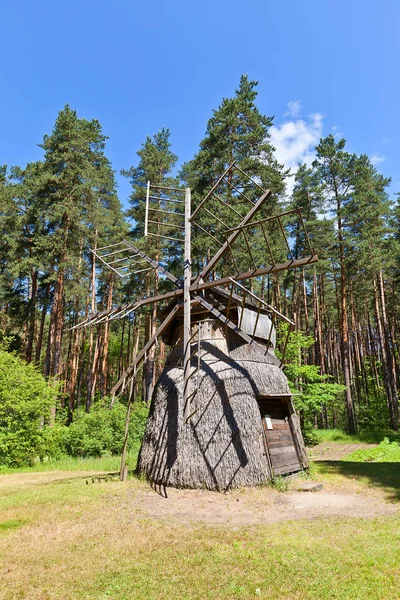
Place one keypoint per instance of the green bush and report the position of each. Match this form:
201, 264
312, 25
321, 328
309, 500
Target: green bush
26, 399
101, 431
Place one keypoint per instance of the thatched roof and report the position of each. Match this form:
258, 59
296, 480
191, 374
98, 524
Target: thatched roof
222, 446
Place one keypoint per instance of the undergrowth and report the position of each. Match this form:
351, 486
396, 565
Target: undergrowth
387, 451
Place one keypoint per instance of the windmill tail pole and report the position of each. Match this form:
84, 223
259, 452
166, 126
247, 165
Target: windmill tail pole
123, 472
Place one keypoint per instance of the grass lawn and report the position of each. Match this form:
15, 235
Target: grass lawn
68, 463
364, 437
64, 538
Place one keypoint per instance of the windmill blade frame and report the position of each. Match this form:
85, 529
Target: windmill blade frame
192, 289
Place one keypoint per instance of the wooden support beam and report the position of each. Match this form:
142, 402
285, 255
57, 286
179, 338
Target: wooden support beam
225, 246
131, 369
290, 264
186, 309
224, 319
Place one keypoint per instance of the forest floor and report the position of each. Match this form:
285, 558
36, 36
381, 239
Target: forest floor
85, 535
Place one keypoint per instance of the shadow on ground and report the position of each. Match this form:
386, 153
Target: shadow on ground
385, 475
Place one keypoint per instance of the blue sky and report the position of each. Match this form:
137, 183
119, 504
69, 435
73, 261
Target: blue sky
322, 65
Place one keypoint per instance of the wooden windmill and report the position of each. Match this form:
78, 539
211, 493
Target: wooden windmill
221, 414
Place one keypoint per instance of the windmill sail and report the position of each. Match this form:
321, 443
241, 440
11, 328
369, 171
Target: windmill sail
244, 200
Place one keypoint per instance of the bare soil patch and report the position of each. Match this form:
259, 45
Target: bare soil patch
135, 500
257, 506
252, 506
332, 451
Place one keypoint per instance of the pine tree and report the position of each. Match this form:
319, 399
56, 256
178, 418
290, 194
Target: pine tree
156, 162
366, 222
335, 167
9, 222
76, 194
238, 132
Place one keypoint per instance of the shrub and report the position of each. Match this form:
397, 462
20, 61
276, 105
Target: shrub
26, 399
101, 431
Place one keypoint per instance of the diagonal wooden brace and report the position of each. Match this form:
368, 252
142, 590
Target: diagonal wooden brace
131, 369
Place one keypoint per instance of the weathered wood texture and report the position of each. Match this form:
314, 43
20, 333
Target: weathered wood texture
222, 446
282, 440
257, 324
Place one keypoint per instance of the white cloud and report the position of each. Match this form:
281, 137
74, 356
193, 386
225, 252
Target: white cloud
377, 159
295, 142
337, 134
294, 109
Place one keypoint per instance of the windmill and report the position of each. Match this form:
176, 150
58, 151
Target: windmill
221, 414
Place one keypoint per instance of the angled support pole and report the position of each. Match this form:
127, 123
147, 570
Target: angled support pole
211, 264
123, 472
131, 369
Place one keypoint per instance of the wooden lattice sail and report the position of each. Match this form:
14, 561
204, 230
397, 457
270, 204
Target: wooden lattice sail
221, 414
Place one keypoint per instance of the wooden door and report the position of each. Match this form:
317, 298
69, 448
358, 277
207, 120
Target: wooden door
278, 436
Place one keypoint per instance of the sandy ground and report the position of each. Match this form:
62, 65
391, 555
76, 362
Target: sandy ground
252, 507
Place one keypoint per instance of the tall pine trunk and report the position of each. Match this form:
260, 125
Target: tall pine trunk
106, 341
387, 353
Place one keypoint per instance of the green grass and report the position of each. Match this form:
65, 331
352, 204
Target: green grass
68, 463
364, 437
382, 475
313, 560
386, 452
66, 539
11, 524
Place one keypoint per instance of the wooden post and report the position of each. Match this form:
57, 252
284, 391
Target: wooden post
186, 308
146, 219
123, 472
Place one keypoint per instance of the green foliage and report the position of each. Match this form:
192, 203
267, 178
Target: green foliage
387, 451
375, 413
26, 436
237, 131
280, 484
101, 431
312, 390
26, 399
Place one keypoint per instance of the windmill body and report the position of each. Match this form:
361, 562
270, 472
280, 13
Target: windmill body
224, 444
221, 415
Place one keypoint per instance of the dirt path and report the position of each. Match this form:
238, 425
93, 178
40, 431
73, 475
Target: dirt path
252, 507
335, 451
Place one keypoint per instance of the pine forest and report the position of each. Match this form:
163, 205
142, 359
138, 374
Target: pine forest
342, 359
